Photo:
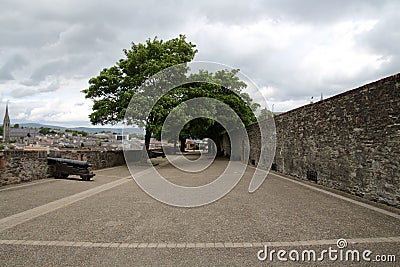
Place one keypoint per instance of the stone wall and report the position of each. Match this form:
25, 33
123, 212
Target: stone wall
20, 166
350, 141
98, 159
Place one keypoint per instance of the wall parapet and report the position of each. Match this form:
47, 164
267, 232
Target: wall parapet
18, 166
349, 142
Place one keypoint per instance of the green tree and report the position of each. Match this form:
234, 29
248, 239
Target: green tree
44, 130
136, 135
112, 90
16, 125
265, 114
115, 87
231, 94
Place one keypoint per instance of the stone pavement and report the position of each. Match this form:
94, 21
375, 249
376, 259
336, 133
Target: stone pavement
112, 222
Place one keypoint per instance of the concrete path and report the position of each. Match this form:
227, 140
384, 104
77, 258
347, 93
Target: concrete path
112, 222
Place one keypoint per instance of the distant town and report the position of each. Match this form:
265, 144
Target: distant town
16, 136
45, 138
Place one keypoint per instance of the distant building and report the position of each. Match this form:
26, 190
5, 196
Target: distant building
121, 137
16, 134
36, 148
196, 144
22, 134
102, 135
6, 126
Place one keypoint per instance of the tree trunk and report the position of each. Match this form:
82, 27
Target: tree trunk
145, 154
218, 146
174, 147
211, 149
219, 149
147, 138
183, 144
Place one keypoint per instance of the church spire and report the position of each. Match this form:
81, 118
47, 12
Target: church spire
6, 115
6, 125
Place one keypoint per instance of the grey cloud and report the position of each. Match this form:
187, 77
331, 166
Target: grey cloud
52, 87
50, 68
83, 38
318, 12
310, 11
5, 74
14, 63
62, 67
23, 92
21, 29
31, 91
384, 39
280, 69
64, 40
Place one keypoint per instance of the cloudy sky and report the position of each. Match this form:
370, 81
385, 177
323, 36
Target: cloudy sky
292, 50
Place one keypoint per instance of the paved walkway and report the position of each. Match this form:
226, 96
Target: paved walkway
110, 221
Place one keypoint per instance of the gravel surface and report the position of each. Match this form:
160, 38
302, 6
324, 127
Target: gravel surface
279, 210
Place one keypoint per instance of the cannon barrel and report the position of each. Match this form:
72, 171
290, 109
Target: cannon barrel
62, 168
155, 154
75, 163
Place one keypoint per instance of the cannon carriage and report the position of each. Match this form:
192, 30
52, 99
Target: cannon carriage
62, 168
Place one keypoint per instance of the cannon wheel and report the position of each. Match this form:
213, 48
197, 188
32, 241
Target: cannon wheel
62, 175
85, 177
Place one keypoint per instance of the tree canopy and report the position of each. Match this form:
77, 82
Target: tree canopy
117, 86
114, 87
232, 95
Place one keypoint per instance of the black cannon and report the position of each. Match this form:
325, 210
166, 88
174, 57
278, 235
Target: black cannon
62, 168
155, 153
312, 175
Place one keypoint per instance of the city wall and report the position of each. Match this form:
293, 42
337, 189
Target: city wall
349, 142
21, 166
98, 159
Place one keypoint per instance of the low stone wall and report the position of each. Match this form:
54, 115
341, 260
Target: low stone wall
98, 159
21, 166
349, 142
